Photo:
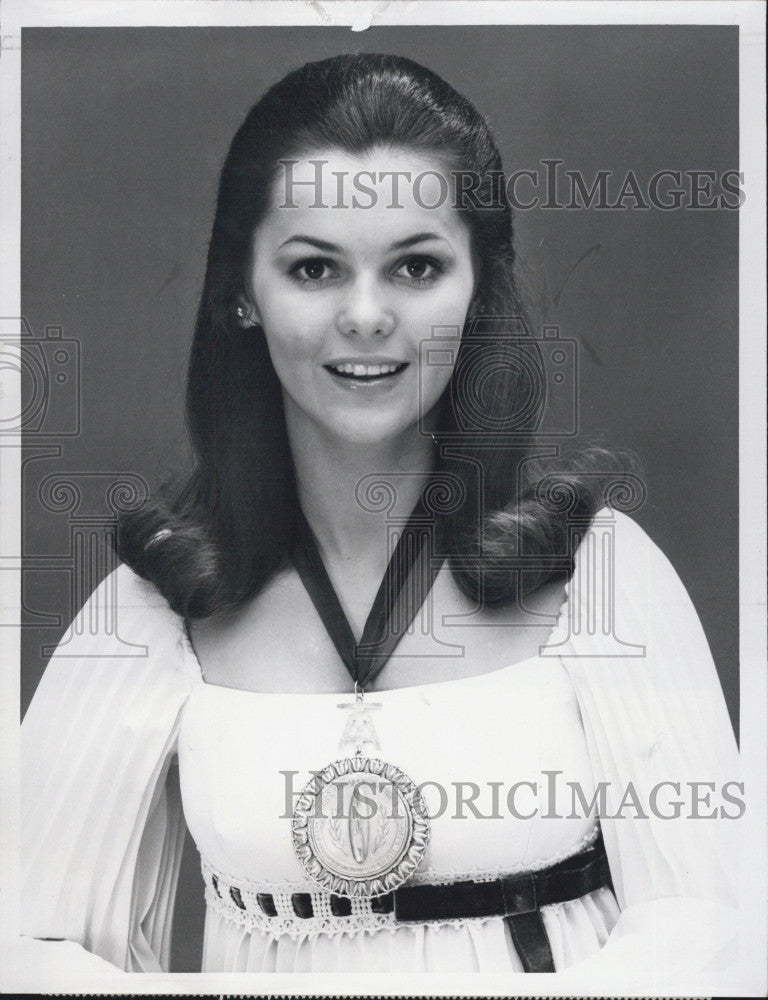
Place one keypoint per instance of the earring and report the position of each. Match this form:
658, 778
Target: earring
246, 321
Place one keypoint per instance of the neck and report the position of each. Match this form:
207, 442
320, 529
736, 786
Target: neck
337, 486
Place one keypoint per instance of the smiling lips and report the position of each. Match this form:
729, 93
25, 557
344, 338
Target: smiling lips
366, 372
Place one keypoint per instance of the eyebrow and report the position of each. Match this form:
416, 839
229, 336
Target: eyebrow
320, 244
410, 241
326, 247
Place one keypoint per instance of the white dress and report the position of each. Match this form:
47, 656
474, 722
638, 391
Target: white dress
625, 693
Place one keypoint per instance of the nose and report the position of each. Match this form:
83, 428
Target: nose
364, 311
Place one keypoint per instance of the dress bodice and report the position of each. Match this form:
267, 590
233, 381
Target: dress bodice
480, 748
493, 756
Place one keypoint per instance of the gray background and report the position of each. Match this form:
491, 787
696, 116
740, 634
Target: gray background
125, 130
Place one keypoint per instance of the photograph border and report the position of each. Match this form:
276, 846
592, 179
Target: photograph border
359, 15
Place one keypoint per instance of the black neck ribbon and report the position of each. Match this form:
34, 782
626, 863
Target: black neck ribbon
407, 581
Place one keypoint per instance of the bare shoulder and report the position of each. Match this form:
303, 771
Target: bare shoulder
272, 642
221, 635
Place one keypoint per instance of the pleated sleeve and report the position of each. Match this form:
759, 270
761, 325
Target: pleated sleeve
102, 827
662, 751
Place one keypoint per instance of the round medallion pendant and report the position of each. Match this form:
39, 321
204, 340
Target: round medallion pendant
360, 827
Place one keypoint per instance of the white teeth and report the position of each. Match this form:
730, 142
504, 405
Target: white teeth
365, 371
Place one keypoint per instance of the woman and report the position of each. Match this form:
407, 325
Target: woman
370, 518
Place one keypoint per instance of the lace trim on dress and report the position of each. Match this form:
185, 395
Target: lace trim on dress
300, 908
240, 905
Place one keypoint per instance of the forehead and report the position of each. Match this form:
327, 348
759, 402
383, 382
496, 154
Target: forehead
376, 197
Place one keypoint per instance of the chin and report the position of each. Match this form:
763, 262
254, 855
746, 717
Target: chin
373, 432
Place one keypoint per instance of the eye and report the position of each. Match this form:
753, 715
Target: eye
419, 270
313, 271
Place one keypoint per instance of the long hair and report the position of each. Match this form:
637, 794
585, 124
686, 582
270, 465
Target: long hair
216, 541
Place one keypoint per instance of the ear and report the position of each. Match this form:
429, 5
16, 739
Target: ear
248, 315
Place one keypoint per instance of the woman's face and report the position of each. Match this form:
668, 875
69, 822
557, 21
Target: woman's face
346, 295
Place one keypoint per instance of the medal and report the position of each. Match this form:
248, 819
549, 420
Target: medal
360, 827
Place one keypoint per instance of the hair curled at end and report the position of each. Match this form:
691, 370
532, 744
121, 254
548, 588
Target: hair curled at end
175, 553
509, 552
531, 540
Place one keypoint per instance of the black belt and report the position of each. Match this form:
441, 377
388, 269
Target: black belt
517, 898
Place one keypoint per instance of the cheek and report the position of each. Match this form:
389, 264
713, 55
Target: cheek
448, 310
292, 330
434, 381
446, 305
289, 317
293, 358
